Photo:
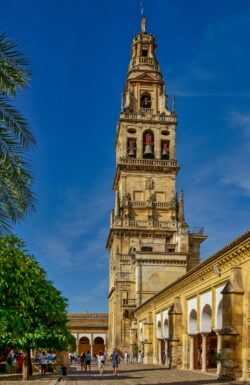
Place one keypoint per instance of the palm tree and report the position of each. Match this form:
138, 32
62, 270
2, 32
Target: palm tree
16, 197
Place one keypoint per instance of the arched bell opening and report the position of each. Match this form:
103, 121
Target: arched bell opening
148, 145
84, 345
145, 101
98, 345
131, 148
165, 149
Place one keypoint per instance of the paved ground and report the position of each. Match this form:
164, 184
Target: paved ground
138, 374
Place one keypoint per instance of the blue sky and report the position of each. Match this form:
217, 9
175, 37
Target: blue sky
80, 52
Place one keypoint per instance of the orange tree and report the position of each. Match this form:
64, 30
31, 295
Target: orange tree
32, 311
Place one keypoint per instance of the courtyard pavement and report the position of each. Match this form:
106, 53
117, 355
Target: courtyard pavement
138, 374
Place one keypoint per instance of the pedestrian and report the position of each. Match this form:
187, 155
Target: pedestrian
140, 357
131, 357
88, 361
125, 357
83, 361
20, 362
101, 362
9, 363
43, 362
163, 357
114, 358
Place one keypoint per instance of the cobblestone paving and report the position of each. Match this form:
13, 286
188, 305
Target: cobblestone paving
138, 374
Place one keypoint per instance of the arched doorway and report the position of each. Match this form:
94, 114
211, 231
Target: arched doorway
84, 345
98, 345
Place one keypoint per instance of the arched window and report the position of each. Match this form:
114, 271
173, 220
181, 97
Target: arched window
206, 319
165, 149
192, 322
145, 100
148, 145
219, 316
98, 341
84, 341
159, 329
166, 329
131, 148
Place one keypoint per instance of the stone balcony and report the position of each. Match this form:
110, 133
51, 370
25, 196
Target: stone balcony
147, 114
124, 223
137, 62
128, 302
157, 205
148, 162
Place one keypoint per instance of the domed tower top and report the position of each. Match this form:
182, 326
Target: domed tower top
143, 50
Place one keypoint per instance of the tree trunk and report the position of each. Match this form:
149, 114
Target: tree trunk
29, 362
25, 366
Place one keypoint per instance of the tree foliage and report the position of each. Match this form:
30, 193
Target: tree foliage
32, 311
16, 197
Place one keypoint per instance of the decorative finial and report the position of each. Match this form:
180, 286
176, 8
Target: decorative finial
143, 19
173, 105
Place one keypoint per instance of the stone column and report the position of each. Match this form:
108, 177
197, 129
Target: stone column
232, 328
175, 333
204, 353
77, 343
191, 353
218, 351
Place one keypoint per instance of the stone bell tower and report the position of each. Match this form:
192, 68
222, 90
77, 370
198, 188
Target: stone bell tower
149, 242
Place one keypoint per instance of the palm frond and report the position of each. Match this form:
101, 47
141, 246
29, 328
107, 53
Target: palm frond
13, 74
12, 120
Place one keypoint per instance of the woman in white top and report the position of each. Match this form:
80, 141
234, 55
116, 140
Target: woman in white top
101, 362
140, 357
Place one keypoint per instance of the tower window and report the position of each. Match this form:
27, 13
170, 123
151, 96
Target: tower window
131, 148
144, 52
148, 145
146, 100
165, 149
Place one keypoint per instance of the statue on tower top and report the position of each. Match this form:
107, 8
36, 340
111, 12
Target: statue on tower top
143, 24
143, 19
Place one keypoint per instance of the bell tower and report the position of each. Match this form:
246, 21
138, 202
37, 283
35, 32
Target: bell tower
149, 242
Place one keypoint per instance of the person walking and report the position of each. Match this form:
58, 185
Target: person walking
83, 361
114, 358
88, 361
101, 362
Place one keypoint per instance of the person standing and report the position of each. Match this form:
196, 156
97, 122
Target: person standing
125, 357
114, 358
100, 362
140, 357
83, 361
88, 361
43, 362
131, 357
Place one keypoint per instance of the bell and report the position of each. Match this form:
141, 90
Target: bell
148, 152
165, 154
131, 153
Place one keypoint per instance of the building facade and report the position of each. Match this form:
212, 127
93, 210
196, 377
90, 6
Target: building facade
90, 331
150, 244
202, 320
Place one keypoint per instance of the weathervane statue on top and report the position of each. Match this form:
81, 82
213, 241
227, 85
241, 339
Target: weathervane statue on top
143, 20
